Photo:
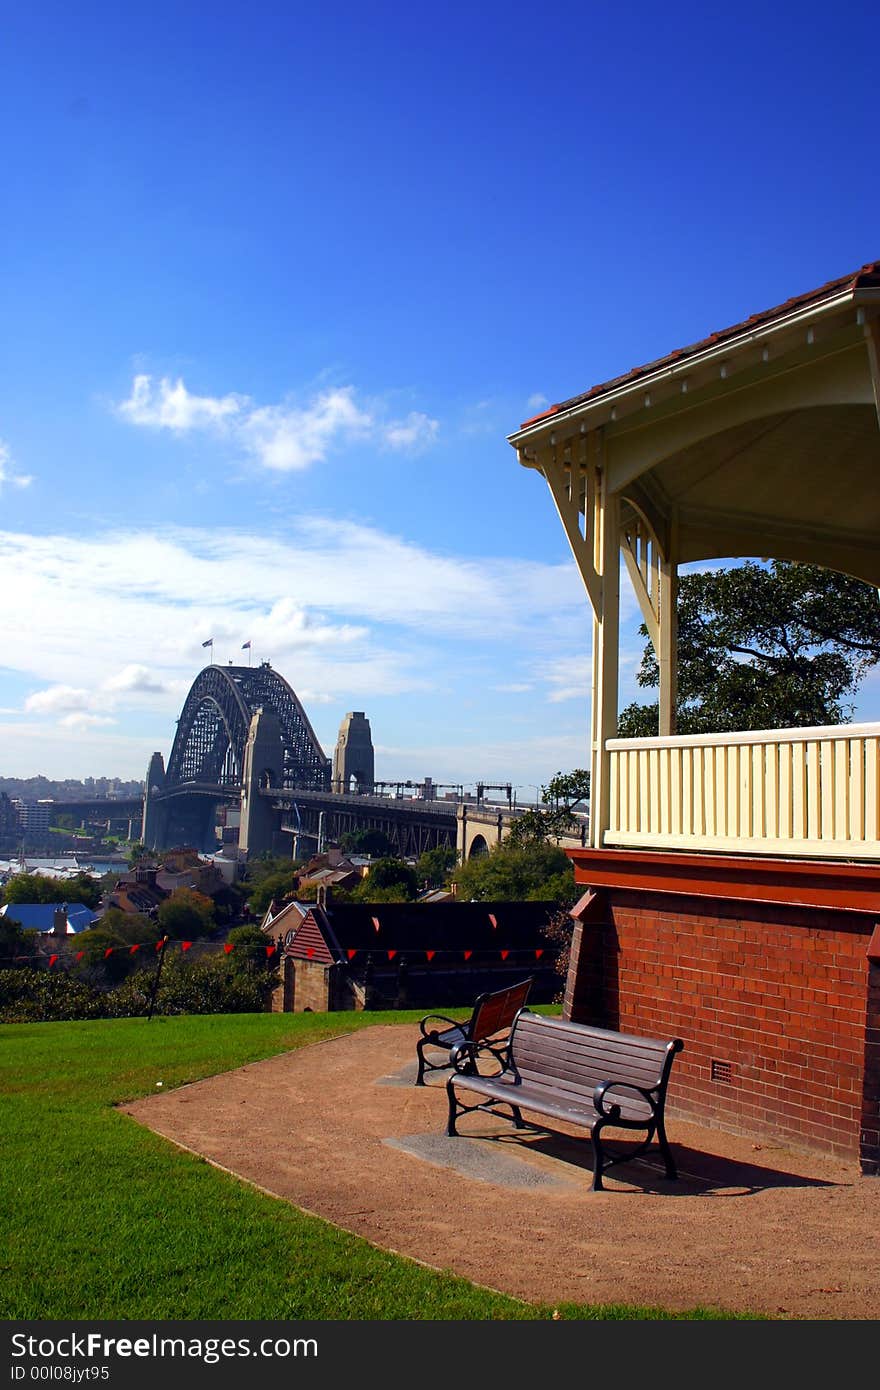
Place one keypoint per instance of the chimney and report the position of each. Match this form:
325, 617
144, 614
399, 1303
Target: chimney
59, 923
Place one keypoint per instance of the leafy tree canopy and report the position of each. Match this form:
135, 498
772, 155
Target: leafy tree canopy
389, 881
187, 914
435, 865
374, 842
16, 942
40, 888
564, 794
270, 878
765, 647
533, 872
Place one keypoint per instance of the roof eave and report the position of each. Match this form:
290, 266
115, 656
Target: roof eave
680, 365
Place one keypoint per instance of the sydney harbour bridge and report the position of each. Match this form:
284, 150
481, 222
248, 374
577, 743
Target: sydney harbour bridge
244, 739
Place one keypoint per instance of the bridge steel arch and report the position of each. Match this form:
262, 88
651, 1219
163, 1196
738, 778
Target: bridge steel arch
213, 727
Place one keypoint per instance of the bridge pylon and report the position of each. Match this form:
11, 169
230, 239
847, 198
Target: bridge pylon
155, 817
263, 768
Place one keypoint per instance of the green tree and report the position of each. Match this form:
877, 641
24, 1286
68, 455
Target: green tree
39, 888
373, 842
268, 878
764, 647
435, 865
389, 881
116, 932
536, 871
187, 915
18, 945
563, 795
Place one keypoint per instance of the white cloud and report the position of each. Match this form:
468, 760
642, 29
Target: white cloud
7, 471
537, 401
283, 438
135, 677
413, 434
570, 679
57, 699
169, 405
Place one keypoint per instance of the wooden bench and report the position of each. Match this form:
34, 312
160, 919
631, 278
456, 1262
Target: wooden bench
570, 1071
487, 1029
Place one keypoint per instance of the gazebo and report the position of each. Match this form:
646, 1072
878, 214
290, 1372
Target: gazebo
741, 869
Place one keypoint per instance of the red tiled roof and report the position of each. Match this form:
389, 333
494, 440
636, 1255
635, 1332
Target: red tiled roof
868, 277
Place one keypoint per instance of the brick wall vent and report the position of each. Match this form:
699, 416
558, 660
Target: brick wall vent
722, 1071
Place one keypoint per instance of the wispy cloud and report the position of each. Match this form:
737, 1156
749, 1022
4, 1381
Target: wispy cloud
412, 435
7, 470
169, 405
57, 699
135, 677
111, 625
283, 438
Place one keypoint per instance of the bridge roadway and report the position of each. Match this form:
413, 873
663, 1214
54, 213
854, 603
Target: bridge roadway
411, 824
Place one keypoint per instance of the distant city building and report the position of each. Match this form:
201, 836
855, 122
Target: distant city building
9, 825
33, 817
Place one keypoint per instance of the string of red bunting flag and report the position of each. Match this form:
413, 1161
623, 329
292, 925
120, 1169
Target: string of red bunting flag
229, 946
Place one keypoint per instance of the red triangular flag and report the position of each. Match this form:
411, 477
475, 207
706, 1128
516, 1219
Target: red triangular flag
270, 950
135, 947
504, 955
185, 945
493, 919
375, 921
468, 954
52, 960
230, 946
351, 954
160, 944
430, 954
391, 954
539, 953
108, 952
80, 954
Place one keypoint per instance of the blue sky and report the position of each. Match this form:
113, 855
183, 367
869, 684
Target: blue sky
280, 279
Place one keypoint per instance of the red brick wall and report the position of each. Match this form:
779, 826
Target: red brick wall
779, 993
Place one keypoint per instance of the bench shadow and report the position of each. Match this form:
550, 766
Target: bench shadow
699, 1172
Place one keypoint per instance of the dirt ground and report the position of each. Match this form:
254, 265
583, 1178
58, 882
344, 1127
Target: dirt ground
340, 1130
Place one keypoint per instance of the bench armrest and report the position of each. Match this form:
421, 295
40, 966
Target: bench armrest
465, 1057
613, 1111
427, 1032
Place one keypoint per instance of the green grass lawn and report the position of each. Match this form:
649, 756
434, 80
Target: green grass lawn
105, 1220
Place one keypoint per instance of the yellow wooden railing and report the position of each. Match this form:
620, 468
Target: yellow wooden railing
790, 791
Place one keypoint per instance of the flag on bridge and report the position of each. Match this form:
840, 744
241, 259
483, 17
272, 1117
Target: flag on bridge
246, 646
209, 643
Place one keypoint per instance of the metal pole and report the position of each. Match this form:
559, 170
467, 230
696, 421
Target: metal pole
156, 977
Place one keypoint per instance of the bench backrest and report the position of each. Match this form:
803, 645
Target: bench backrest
494, 1013
576, 1057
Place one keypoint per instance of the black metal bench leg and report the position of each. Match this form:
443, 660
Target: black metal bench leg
420, 1079
597, 1184
671, 1170
453, 1108
518, 1121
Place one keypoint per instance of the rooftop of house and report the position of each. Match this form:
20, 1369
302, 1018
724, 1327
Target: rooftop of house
41, 916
